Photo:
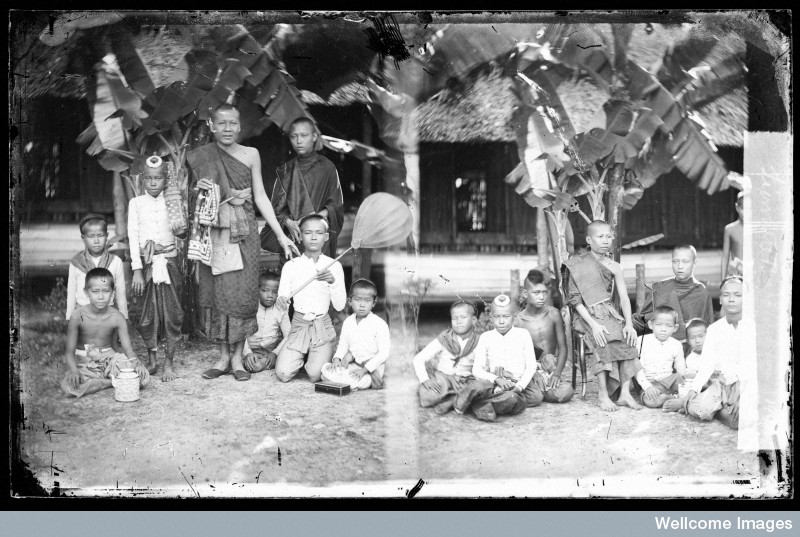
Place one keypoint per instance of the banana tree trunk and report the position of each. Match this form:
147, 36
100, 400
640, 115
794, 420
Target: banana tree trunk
616, 192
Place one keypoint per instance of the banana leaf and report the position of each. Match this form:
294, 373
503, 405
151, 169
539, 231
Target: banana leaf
619, 116
696, 158
631, 197
629, 147
658, 161
713, 82
110, 132
130, 63
243, 48
170, 102
683, 56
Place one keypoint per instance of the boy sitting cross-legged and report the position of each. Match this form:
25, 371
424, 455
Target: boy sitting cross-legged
363, 344
546, 327
504, 369
453, 352
93, 328
262, 348
311, 338
661, 357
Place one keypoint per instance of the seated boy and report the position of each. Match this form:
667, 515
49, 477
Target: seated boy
312, 334
450, 356
93, 328
592, 279
546, 327
504, 369
723, 363
683, 293
661, 357
156, 266
363, 344
262, 348
94, 233
695, 336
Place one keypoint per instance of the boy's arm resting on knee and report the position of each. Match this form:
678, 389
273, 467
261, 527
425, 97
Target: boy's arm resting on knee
642, 380
384, 345
561, 342
73, 328
72, 290
124, 338
624, 305
423, 356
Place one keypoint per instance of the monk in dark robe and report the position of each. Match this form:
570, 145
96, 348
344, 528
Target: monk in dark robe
306, 184
591, 281
683, 293
228, 288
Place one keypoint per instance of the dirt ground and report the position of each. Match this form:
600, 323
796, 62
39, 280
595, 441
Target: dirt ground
193, 432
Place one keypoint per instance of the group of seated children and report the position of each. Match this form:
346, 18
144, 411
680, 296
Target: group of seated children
515, 365
518, 364
280, 344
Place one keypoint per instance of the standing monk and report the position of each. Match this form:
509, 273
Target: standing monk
229, 298
306, 184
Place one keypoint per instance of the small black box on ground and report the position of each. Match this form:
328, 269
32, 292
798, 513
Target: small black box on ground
336, 388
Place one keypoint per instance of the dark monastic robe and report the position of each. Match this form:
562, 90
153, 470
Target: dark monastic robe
307, 184
690, 299
592, 284
228, 301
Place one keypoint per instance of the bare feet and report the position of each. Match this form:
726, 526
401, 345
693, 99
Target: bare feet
152, 365
606, 403
168, 374
673, 405
626, 399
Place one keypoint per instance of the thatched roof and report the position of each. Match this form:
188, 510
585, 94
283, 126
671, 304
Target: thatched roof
477, 111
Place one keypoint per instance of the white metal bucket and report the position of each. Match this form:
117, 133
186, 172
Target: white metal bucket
126, 386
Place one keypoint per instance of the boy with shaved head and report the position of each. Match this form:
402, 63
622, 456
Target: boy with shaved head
683, 293
308, 183
596, 291
504, 368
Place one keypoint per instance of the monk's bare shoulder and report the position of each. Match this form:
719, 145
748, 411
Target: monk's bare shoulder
251, 155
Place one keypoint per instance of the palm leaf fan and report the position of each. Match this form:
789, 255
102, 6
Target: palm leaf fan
382, 220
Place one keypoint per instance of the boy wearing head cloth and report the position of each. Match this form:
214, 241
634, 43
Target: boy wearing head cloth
156, 266
504, 368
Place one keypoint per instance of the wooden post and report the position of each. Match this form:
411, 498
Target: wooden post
542, 242
616, 191
514, 285
641, 290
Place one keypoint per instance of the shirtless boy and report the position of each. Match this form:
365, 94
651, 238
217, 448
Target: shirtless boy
732, 249
546, 328
93, 328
